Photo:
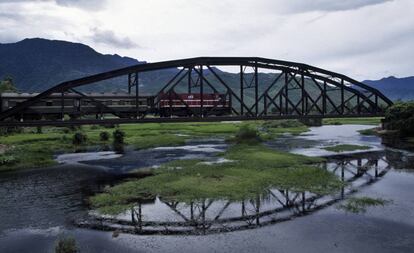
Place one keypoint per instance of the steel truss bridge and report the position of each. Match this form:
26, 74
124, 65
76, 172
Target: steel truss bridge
260, 89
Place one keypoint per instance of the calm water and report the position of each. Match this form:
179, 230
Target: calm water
38, 206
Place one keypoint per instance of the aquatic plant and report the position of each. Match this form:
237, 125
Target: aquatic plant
360, 204
66, 245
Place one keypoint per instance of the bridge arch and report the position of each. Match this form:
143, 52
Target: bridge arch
273, 89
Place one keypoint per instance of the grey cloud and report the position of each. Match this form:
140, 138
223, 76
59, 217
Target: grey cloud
298, 6
11, 1
84, 4
109, 38
22, 1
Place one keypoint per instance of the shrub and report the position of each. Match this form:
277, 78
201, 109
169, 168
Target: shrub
104, 136
6, 159
118, 136
66, 245
10, 130
79, 138
66, 130
400, 117
247, 134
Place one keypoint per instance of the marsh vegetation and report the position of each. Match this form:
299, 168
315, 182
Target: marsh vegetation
40, 147
346, 147
361, 204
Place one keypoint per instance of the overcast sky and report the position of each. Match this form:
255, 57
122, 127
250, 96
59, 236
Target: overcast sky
365, 39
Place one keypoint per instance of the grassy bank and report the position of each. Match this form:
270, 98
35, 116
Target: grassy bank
251, 170
354, 121
31, 149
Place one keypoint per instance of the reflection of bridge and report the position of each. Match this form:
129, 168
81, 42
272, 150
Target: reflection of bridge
261, 89
273, 206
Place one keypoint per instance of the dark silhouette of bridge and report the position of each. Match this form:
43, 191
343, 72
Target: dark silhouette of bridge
264, 89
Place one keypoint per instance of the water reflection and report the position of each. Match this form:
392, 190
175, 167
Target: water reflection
159, 216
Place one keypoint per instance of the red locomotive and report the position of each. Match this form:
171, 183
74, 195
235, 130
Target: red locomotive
189, 104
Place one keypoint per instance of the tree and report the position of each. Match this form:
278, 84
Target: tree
7, 85
400, 117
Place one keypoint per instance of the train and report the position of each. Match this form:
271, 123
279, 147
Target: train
123, 105
190, 104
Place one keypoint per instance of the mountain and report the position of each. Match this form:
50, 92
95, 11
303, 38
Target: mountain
38, 64
395, 88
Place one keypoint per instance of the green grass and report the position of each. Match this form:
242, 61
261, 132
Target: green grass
360, 205
346, 147
39, 148
253, 170
276, 128
370, 131
353, 121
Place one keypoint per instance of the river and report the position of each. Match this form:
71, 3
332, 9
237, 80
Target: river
38, 206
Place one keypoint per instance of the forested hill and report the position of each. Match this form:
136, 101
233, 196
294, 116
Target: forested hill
38, 64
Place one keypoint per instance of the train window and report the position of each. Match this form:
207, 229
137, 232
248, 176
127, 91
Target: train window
121, 102
49, 103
